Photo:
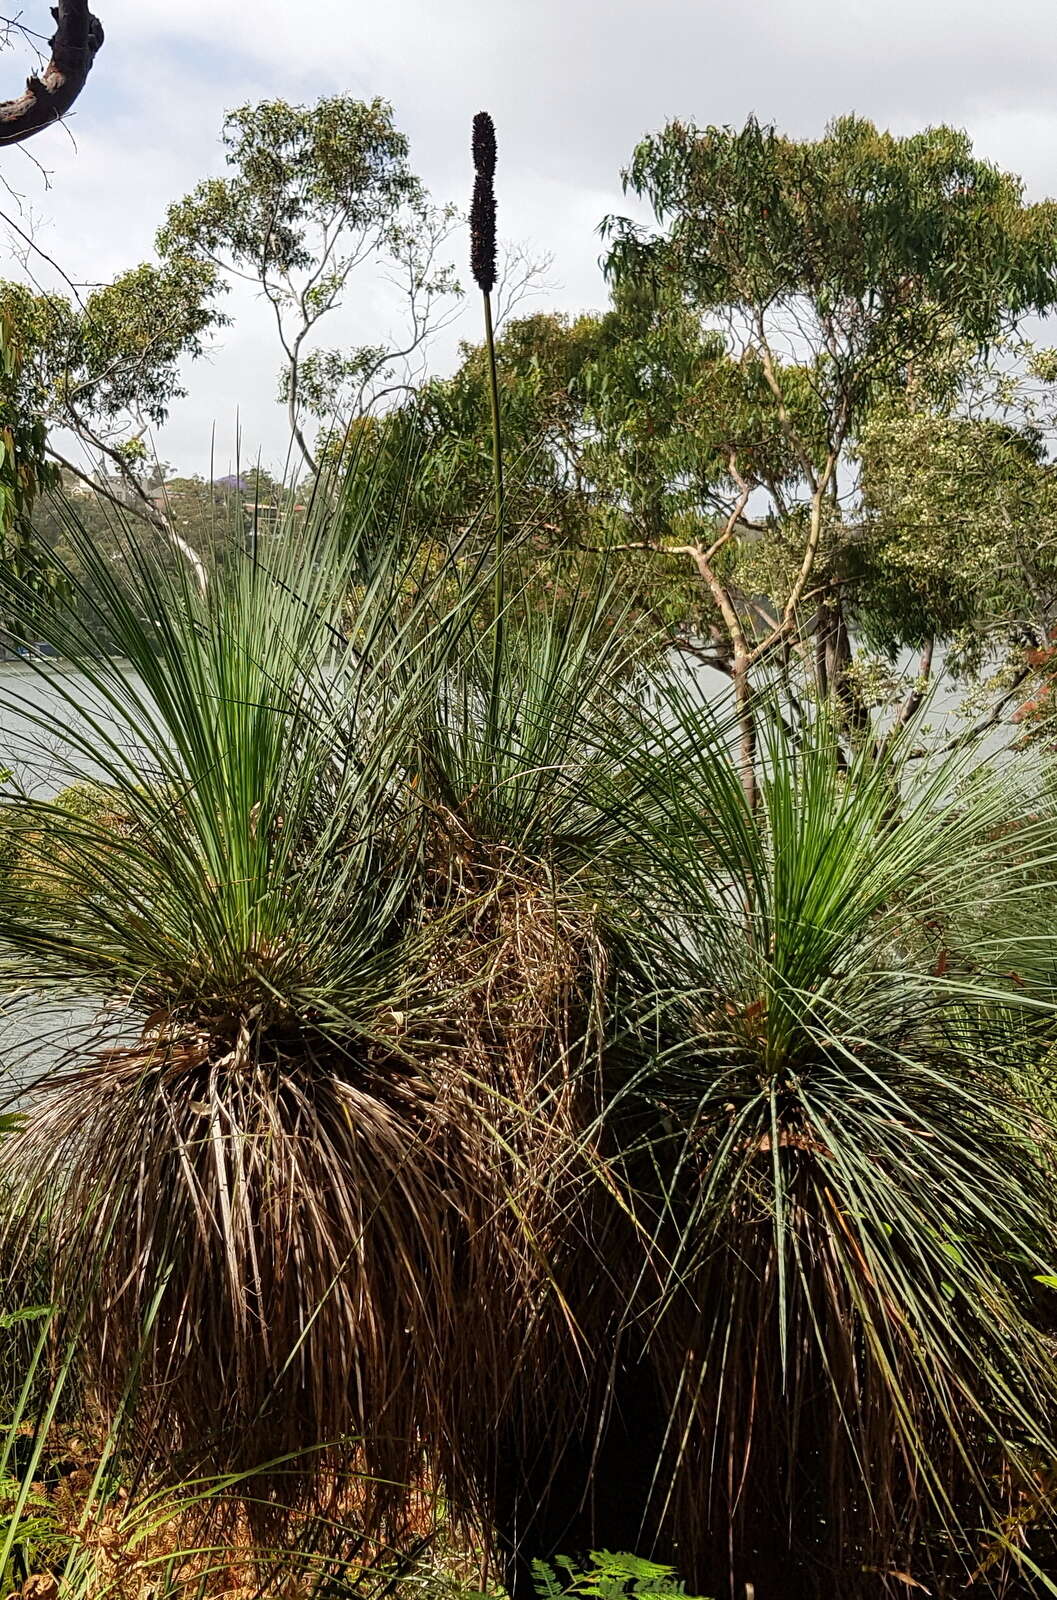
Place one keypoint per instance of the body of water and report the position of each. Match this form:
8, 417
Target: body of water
39, 1033
36, 1034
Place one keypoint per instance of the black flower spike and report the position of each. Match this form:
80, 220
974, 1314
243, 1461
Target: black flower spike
482, 212
484, 145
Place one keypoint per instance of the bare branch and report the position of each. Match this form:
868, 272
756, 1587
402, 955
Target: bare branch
141, 506
47, 98
522, 274
985, 723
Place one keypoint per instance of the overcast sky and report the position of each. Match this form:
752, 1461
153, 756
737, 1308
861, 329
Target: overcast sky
572, 84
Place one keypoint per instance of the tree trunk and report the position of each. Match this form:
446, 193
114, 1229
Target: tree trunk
854, 710
595, 1495
746, 729
606, 1493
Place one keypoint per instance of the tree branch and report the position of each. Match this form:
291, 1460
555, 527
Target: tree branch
918, 689
77, 37
142, 507
991, 720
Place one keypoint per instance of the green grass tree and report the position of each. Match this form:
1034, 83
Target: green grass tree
458, 1049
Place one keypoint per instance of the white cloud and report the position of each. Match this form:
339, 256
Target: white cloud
572, 83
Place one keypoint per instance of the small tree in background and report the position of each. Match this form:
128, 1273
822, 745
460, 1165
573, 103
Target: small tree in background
24, 471
317, 194
105, 369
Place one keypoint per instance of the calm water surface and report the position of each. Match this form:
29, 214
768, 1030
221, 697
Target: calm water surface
34, 1034
37, 1033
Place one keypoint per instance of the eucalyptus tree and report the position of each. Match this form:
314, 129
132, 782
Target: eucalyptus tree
539, 360
840, 272
593, 417
316, 198
957, 535
103, 369
24, 469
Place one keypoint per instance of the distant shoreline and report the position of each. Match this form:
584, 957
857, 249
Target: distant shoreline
12, 655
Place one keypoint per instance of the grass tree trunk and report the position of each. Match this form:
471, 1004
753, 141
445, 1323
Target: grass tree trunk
595, 1491
607, 1489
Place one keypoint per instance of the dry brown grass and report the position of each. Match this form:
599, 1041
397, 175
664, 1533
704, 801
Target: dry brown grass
190, 1543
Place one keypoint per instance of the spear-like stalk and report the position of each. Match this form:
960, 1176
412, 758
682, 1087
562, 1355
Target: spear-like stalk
482, 265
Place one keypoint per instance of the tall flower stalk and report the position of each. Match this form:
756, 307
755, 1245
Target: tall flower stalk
483, 267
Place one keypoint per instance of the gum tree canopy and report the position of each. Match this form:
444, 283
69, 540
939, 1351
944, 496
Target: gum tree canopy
319, 198
77, 37
845, 275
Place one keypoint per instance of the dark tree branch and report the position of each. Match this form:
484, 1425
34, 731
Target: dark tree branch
77, 37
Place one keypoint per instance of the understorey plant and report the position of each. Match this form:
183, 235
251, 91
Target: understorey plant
844, 1193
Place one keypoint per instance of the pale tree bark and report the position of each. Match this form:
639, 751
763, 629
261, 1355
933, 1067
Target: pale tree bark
299, 307
139, 505
704, 560
46, 99
749, 652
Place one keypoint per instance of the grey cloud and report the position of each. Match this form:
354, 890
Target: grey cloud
572, 83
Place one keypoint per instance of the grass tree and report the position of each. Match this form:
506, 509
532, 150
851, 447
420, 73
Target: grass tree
847, 1196
306, 1193
496, 1096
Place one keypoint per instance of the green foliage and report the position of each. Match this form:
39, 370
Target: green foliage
782, 336
860, 282
329, 894
103, 367
30, 1529
899, 245
606, 1577
314, 193
295, 169
957, 528
117, 352
539, 994
445, 429
79, 1517
600, 439
480, 1019
26, 840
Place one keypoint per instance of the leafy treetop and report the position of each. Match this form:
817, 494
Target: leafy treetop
314, 193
